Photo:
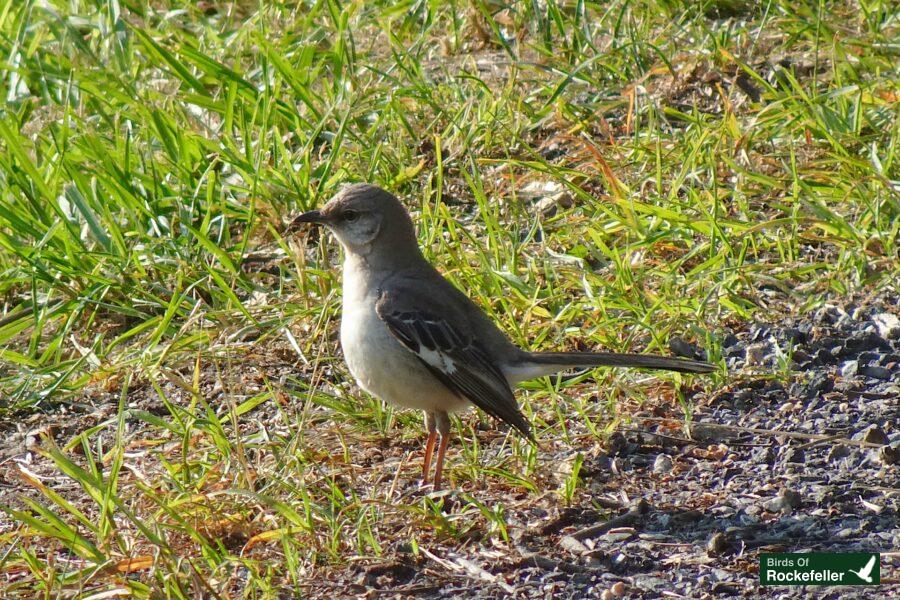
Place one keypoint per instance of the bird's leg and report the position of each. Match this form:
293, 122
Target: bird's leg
443, 427
429, 444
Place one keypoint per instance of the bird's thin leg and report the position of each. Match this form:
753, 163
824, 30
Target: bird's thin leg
443, 427
429, 444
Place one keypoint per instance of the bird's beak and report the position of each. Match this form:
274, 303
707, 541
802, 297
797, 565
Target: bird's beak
314, 216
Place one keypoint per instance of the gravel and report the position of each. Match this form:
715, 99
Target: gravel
799, 450
803, 459
736, 492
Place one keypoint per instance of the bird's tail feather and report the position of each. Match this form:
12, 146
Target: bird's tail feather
538, 364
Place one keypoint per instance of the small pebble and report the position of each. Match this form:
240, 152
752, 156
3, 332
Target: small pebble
756, 354
828, 314
867, 357
718, 544
784, 502
792, 498
875, 371
890, 359
618, 589
889, 454
800, 359
619, 536
764, 454
850, 369
663, 464
837, 452
819, 384
616, 444
824, 357
872, 434
795, 456
888, 325
845, 533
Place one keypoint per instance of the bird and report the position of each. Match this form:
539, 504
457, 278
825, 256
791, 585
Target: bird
412, 339
866, 572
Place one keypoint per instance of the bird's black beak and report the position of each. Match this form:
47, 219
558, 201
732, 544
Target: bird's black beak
314, 216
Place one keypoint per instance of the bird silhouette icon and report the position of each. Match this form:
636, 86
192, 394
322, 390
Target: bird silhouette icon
866, 572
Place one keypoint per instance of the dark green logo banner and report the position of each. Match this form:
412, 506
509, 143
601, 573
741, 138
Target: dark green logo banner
818, 568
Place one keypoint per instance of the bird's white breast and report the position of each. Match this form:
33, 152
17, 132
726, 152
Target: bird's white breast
382, 365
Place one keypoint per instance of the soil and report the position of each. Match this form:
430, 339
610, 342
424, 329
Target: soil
799, 452
802, 456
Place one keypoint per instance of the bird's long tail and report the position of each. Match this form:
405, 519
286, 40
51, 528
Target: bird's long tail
539, 364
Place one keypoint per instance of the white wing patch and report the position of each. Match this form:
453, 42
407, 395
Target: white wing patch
438, 360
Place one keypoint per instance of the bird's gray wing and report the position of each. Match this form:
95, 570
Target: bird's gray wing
441, 339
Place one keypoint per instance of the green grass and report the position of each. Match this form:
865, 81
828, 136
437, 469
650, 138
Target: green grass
151, 153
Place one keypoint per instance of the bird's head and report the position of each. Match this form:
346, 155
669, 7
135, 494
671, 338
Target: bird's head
363, 218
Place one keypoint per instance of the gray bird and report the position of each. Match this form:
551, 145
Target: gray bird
414, 340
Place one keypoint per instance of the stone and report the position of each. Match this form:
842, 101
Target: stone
795, 456
820, 383
730, 341
850, 369
718, 544
756, 354
800, 359
888, 325
837, 452
763, 455
867, 357
888, 359
663, 464
872, 434
792, 334
889, 454
868, 340
681, 347
824, 357
785, 501
616, 444
875, 372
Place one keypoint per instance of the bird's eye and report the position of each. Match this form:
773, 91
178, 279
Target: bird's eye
350, 216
